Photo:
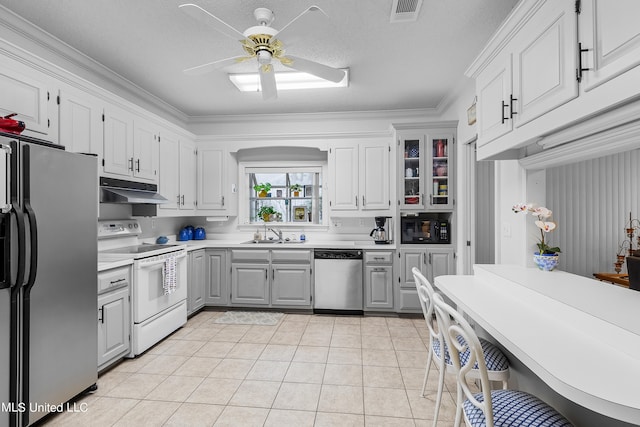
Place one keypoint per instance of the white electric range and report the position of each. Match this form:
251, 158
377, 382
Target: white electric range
159, 285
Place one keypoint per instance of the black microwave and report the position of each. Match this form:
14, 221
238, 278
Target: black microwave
422, 229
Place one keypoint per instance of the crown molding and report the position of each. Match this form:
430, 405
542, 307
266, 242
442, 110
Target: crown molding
387, 115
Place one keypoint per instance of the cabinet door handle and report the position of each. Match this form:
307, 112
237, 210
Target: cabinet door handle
429, 258
580, 68
356, 201
182, 200
511, 112
222, 200
266, 275
138, 165
502, 112
273, 275
178, 200
131, 164
424, 258
101, 314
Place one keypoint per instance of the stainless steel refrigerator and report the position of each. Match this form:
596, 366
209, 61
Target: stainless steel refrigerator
48, 277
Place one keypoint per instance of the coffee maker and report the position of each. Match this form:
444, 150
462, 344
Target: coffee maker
380, 234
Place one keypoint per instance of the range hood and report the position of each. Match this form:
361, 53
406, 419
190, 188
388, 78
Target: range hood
122, 191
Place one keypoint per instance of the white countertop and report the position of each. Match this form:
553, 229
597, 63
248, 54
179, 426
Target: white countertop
108, 265
193, 245
577, 334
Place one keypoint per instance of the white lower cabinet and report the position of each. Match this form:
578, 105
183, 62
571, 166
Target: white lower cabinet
291, 284
274, 278
432, 262
114, 314
216, 277
250, 283
196, 281
378, 281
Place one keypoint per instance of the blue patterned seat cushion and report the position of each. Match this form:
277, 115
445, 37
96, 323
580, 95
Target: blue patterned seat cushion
515, 408
493, 357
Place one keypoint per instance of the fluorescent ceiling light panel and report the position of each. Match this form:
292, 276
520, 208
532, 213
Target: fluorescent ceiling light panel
288, 80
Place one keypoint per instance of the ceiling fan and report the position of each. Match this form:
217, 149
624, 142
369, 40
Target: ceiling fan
260, 42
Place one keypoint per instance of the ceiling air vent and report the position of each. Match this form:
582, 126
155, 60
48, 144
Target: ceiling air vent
405, 10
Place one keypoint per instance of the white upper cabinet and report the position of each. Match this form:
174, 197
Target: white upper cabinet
118, 142
130, 146
610, 37
27, 93
212, 178
359, 177
553, 66
177, 180
534, 74
145, 150
81, 126
544, 62
169, 179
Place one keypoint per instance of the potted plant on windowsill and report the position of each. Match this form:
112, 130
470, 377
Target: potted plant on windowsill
547, 256
262, 189
295, 189
267, 213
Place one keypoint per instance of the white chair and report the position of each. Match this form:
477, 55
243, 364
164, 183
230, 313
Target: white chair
496, 361
489, 408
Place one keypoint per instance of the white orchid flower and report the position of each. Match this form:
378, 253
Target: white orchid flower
541, 212
546, 226
522, 207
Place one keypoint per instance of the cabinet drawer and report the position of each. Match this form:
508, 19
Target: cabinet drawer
382, 257
253, 255
292, 255
113, 279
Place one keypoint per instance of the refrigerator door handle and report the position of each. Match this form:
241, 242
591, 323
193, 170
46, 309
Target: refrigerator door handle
31, 215
17, 211
6, 206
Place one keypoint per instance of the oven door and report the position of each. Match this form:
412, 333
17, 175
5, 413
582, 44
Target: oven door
148, 293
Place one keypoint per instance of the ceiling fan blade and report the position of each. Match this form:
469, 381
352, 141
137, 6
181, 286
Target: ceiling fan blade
309, 9
211, 20
319, 70
211, 66
268, 82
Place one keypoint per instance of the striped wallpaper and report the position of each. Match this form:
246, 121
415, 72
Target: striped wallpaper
591, 201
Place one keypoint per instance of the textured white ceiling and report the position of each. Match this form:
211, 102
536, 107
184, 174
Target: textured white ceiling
392, 66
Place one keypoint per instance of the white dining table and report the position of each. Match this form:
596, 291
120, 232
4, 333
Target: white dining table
578, 335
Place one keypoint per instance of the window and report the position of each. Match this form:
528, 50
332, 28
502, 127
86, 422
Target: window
283, 194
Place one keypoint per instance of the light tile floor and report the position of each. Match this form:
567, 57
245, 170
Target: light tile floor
308, 370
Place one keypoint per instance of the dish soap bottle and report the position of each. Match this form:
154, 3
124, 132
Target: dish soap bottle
257, 236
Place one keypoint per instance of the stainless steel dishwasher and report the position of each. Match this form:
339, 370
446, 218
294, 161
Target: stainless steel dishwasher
338, 281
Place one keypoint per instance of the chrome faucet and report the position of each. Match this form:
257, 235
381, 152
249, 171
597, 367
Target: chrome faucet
277, 232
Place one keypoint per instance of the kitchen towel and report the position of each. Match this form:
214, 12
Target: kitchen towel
169, 276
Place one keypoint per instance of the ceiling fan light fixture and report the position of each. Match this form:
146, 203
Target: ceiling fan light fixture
288, 80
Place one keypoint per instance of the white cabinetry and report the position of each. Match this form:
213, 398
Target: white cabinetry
217, 277
426, 167
196, 279
432, 262
81, 125
548, 72
177, 179
534, 73
212, 174
114, 311
359, 177
610, 37
378, 280
277, 278
130, 147
27, 93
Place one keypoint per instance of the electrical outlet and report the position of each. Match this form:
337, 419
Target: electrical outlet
153, 223
506, 229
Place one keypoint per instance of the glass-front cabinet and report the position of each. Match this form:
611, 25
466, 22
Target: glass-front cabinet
426, 168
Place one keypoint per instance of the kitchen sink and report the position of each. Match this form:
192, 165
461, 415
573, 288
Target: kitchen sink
259, 242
